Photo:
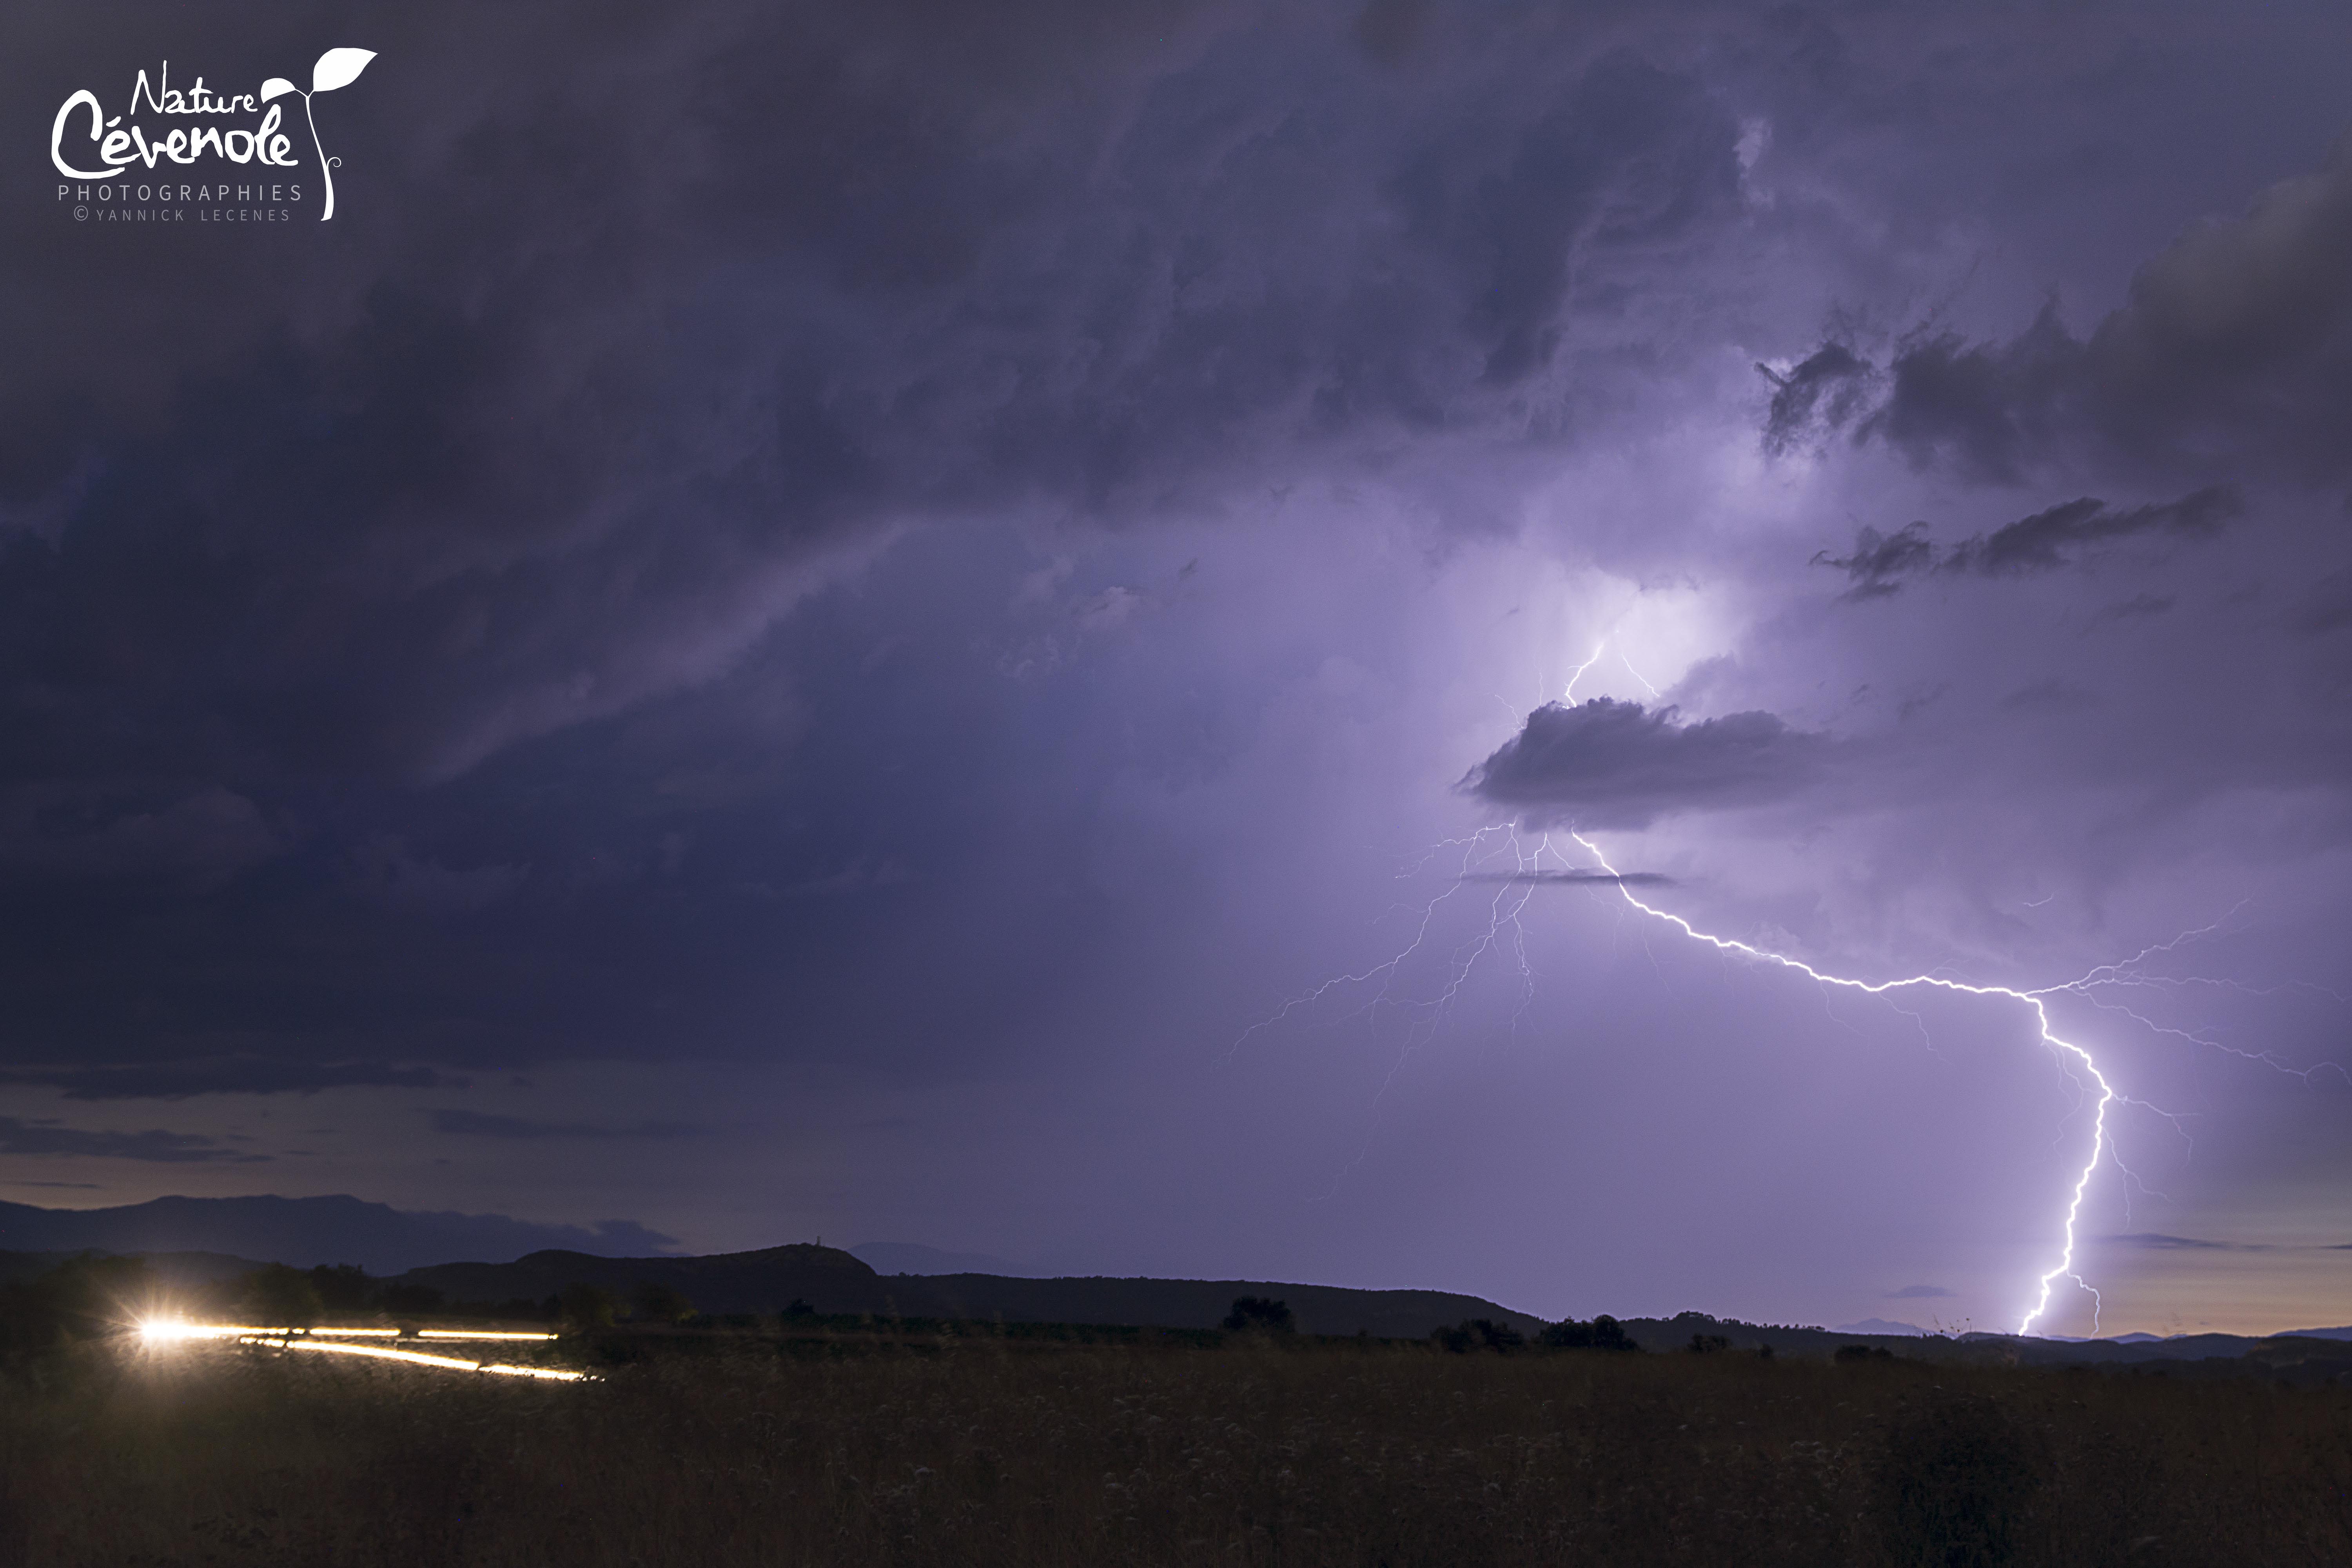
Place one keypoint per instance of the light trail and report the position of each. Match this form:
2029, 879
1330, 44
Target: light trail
159, 1332
162, 1330
337, 1347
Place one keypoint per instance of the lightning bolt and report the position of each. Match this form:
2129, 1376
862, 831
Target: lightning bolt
2031, 1000
1502, 929
1568, 694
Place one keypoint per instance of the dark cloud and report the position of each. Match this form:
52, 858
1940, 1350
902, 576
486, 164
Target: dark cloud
1880, 560
1823, 392
2041, 542
477, 1124
179, 1080
2233, 347
1610, 763
2156, 1241
38, 1136
1575, 879
454, 484
131, 830
429, 599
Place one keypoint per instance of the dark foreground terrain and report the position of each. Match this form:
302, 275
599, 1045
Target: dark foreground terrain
717, 1447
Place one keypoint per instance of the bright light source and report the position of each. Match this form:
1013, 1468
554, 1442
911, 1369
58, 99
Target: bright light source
159, 1332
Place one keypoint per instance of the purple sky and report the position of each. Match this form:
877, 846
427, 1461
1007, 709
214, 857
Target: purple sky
937, 624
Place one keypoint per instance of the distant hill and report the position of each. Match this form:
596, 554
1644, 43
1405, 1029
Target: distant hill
305, 1231
767, 1280
831, 1280
1198, 1303
913, 1257
2312, 1356
1880, 1326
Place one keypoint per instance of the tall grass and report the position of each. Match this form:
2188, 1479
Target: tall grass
1265, 1453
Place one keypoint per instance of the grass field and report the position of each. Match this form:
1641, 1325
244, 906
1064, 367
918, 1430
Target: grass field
1031, 1452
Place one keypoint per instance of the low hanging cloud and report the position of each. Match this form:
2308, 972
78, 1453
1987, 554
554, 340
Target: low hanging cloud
1606, 763
178, 1080
1574, 879
479, 1124
1881, 563
42, 1136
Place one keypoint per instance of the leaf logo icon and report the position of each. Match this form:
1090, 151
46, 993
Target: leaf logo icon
339, 67
336, 68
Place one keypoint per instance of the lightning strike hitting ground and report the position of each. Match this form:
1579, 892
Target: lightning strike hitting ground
1503, 928
1527, 872
2065, 1267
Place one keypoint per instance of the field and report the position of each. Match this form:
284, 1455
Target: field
742, 1450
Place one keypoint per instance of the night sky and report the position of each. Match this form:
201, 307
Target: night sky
1005, 628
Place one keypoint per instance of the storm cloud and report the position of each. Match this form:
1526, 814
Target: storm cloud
2233, 345
1608, 763
2041, 542
179, 1080
479, 1124
321, 601
155, 1146
1575, 879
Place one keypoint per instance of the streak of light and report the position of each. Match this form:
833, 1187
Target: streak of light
1502, 929
380, 1353
164, 1330
2064, 1268
1569, 695
1637, 674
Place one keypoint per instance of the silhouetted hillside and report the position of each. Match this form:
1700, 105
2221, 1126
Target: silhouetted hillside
912, 1257
767, 1280
830, 1280
1197, 1303
2312, 1356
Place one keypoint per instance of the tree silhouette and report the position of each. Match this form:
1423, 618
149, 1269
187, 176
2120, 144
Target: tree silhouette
654, 1302
588, 1306
278, 1297
1604, 1333
1258, 1314
1479, 1334
342, 1286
